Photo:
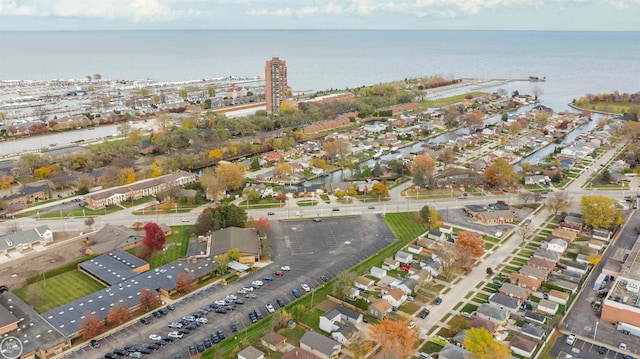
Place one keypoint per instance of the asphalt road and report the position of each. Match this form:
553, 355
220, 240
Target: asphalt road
310, 248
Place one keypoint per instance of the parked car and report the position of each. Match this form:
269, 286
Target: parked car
324, 278
336, 209
411, 325
271, 213
234, 327
145, 320
306, 287
280, 302
193, 350
571, 339
270, 308
424, 313
295, 293
251, 295
268, 278
317, 219
299, 214
285, 268
176, 335
175, 325
154, 337
94, 343
438, 301
278, 273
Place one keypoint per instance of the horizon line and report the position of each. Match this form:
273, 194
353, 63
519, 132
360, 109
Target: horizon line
309, 30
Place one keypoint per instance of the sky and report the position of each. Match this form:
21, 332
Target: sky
536, 15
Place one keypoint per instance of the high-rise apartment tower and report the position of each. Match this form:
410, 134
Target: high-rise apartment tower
275, 74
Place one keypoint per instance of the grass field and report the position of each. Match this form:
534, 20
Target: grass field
448, 100
403, 225
614, 108
176, 244
56, 291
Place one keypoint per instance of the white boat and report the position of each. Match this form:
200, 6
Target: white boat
377, 155
394, 149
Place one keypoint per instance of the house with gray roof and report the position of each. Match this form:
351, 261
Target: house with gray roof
320, 345
408, 285
344, 333
122, 237
250, 352
514, 291
349, 315
532, 331
535, 317
533, 272
245, 239
547, 255
299, 353
522, 346
24, 240
451, 351
378, 272
431, 266
476, 321
492, 313
505, 302
404, 257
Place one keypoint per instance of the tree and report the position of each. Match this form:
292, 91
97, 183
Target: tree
232, 174
451, 261
154, 237
379, 189
605, 177
214, 186
425, 215
515, 127
558, 202
148, 300
470, 243
499, 174
525, 196
536, 91
447, 156
185, 283
89, 222
221, 263
599, 211
524, 231
282, 169
90, 326
335, 148
482, 346
424, 163
280, 319
418, 178
459, 323
343, 284
377, 170
118, 314
395, 338
263, 226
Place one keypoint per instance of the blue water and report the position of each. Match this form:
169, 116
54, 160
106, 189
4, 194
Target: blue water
574, 63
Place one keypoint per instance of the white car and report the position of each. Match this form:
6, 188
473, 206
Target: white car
154, 337
175, 335
175, 325
258, 283
411, 325
189, 318
270, 308
242, 291
220, 302
202, 320
248, 289
306, 287
287, 268
622, 346
299, 214
571, 339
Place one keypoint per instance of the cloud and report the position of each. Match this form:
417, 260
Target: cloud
132, 10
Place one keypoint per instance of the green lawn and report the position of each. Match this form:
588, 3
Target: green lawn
448, 100
53, 292
404, 226
177, 244
307, 203
80, 212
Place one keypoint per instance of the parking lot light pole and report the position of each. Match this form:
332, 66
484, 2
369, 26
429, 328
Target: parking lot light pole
595, 331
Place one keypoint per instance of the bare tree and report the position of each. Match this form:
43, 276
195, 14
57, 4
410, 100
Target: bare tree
89, 222
525, 196
558, 202
536, 91
524, 231
451, 260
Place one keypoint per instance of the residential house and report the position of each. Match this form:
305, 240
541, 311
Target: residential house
380, 308
299, 353
558, 296
389, 264
524, 281
572, 222
577, 267
250, 353
601, 234
395, 296
20, 241
596, 244
542, 264
379, 272
320, 345
514, 291
432, 266
344, 333
16, 202
533, 331
504, 302
272, 157
535, 317
436, 235
414, 248
349, 315
329, 319
446, 229
547, 307
452, 351
523, 347
364, 283
457, 177
555, 245
565, 234
458, 339
408, 285
274, 341
536, 179
547, 255
476, 321
123, 237
404, 257
534, 272
37, 191
493, 313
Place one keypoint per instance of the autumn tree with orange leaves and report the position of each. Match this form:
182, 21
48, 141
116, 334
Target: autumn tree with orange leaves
118, 314
470, 243
263, 226
90, 326
395, 338
185, 283
423, 163
148, 299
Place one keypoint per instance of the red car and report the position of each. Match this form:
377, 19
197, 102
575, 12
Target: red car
278, 273
404, 268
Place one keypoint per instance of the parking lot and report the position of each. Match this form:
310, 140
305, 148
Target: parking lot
585, 350
311, 249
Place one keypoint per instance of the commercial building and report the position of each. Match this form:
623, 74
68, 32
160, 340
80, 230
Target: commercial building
275, 74
622, 303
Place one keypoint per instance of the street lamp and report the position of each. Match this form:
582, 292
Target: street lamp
595, 331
